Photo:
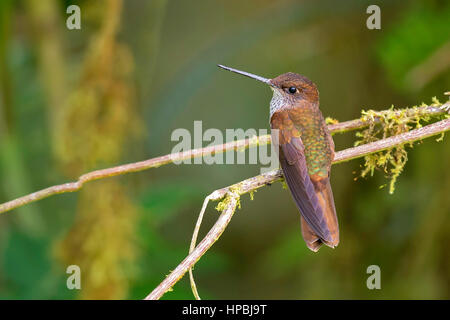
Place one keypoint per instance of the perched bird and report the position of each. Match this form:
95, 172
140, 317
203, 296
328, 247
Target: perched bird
306, 150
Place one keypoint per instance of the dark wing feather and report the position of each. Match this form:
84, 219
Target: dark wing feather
312, 240
295, 171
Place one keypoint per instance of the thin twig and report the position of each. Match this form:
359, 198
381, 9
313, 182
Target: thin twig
234, 192
194, 242
346, 126
202, 247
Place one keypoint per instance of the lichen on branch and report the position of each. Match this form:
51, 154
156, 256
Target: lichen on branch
390, 123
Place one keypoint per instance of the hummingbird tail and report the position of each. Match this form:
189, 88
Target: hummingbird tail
313, 242
326, 201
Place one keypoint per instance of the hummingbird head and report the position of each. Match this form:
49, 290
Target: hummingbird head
288, 89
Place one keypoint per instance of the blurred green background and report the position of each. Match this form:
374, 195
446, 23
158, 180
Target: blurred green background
72, 101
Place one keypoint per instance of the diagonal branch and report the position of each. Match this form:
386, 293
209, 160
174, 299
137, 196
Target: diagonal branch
231, 196
430, 110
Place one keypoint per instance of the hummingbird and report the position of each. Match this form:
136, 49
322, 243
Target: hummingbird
305, 151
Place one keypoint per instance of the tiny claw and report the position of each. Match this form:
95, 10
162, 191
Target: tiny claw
446, 106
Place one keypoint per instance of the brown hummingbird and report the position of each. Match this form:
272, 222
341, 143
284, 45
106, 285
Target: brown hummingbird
305, 151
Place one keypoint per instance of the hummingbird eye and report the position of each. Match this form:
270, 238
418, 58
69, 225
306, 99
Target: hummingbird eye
292, 90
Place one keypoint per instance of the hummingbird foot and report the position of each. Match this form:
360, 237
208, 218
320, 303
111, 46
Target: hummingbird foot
446, 106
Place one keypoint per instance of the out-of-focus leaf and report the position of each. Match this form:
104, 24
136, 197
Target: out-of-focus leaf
164, 199
420, 32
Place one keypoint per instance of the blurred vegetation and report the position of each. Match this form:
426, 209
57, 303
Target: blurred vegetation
72, 101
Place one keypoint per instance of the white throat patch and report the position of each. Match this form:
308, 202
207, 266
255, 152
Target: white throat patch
278, 101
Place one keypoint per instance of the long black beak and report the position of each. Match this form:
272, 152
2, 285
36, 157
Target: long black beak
247, 74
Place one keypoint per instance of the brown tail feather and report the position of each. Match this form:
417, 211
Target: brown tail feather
325, 196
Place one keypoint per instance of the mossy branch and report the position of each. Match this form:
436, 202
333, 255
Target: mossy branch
425, 110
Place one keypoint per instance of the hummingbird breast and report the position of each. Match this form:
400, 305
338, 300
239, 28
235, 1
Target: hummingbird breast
316, 139
307, 118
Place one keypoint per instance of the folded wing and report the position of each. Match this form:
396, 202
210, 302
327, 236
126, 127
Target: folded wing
313, 197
